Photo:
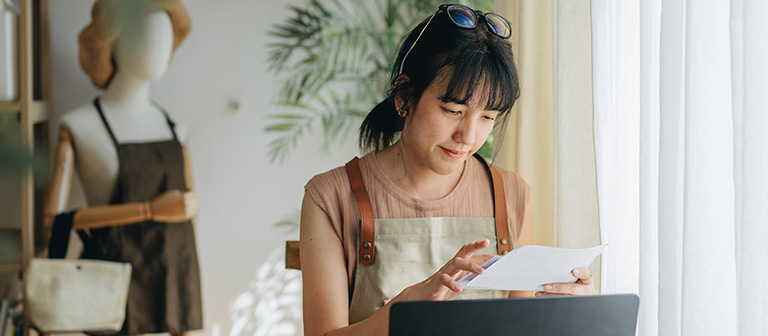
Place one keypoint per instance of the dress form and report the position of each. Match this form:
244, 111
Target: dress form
161, 245
142, 54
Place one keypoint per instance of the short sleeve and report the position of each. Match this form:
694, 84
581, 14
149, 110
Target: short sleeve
329, 191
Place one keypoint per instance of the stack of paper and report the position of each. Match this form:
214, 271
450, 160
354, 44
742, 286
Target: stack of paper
530, 268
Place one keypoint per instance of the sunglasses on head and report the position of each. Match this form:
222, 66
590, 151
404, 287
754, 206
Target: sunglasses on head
466, 17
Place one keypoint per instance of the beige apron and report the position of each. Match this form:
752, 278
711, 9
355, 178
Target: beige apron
398, 252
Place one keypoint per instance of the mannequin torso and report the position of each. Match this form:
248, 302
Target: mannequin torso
142, 55
96, 156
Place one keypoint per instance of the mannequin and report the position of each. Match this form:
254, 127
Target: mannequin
142, 57
94, 139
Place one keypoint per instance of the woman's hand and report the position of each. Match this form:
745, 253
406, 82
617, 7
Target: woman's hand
172, 206
443, 284
582, 287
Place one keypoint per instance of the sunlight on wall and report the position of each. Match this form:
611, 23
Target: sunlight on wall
272, 303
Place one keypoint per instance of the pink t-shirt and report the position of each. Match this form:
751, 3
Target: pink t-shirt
472, 197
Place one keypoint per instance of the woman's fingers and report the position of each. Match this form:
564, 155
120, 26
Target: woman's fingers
567, 289
583, 285
468, 249
456, 265
560, 288
583, 274
461, 262
443, 284
447, 281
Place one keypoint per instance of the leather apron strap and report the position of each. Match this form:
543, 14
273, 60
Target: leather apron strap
368, 230
499, 208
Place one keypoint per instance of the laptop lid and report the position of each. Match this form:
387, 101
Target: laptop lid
601, 315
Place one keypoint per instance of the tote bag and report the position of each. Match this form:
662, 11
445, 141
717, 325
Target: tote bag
75, 295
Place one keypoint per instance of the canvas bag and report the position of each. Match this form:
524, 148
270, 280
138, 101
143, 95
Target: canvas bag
75, 295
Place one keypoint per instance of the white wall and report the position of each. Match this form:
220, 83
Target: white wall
240, 194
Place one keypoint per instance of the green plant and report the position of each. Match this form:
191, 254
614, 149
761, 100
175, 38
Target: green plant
336, 57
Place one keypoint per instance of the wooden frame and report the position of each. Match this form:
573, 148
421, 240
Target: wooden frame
32, 111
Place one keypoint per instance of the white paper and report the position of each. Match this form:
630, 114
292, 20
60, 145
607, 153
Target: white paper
530, 267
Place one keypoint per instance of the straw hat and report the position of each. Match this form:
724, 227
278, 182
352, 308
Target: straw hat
108, 17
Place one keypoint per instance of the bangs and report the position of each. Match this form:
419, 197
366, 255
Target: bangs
480, 77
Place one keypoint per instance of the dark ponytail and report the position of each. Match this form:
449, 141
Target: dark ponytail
380, 126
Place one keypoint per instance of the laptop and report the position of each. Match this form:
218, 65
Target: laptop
601, 315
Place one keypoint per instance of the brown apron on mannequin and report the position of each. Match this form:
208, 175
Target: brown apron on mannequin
164, 294
395, 253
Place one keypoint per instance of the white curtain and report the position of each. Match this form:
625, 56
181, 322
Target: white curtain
681, 142
549, 142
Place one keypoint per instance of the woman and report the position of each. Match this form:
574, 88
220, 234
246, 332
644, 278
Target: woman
427, 193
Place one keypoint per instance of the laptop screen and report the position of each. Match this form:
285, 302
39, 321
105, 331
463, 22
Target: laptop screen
600, 315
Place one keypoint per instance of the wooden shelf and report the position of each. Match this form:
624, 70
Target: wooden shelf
10, 107
38, 111
17, 245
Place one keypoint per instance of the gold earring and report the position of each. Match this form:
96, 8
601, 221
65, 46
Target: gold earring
402, 112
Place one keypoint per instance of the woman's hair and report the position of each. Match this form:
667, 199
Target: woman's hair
476, 60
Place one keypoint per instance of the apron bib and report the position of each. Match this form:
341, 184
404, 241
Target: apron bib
164, 295
395, 253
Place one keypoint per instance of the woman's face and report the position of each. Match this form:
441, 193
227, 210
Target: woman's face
441, 135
